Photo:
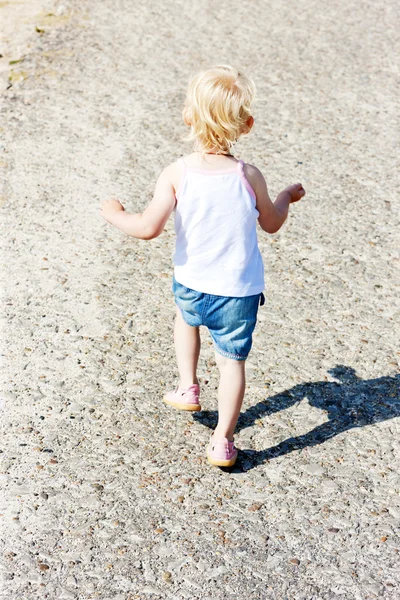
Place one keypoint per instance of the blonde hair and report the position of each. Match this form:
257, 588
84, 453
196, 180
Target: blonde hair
217, 107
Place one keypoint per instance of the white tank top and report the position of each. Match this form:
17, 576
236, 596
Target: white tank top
216, 239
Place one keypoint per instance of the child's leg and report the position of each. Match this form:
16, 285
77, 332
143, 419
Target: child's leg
187, 349
230, 394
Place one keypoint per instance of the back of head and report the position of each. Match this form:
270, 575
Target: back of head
217, 107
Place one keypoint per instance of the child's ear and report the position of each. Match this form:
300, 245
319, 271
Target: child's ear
249, 124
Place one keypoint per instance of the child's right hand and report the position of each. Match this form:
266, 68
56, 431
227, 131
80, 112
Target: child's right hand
296, 192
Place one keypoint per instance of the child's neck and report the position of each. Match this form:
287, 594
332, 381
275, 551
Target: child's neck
213, 151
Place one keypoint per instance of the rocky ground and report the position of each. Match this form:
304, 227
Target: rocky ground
106, 492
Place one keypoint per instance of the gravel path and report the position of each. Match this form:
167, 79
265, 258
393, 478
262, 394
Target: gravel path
106, 493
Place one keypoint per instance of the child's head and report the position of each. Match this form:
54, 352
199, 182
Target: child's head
217, 108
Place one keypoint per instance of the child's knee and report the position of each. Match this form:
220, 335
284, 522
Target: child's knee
223, 362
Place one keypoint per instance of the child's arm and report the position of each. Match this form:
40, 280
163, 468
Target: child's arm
272, 214
151, 222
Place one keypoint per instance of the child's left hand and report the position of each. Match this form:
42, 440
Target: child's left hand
110, 207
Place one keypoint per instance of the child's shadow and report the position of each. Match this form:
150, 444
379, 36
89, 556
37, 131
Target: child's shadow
352, 402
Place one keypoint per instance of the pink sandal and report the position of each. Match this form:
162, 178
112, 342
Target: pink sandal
184, 399
221, 452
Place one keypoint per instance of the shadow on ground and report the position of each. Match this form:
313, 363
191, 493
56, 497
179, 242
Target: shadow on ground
350, 402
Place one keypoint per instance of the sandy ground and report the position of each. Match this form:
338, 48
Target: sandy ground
21, 22
106, 493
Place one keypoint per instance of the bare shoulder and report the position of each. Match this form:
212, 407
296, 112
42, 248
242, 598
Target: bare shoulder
172, 174
254, 176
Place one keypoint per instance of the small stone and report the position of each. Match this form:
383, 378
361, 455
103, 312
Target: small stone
333, 529
150, 590
43, 567
181, 498
65, 594
159, 530
373, 589
34, 577
167, 575
383, 538
221, 533
330, 485
314, 469
75, 407
294, 561
71, 581
254, 507
98, 487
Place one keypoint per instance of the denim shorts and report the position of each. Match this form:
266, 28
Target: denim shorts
230, 321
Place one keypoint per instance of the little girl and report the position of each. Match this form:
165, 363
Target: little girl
219, 276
